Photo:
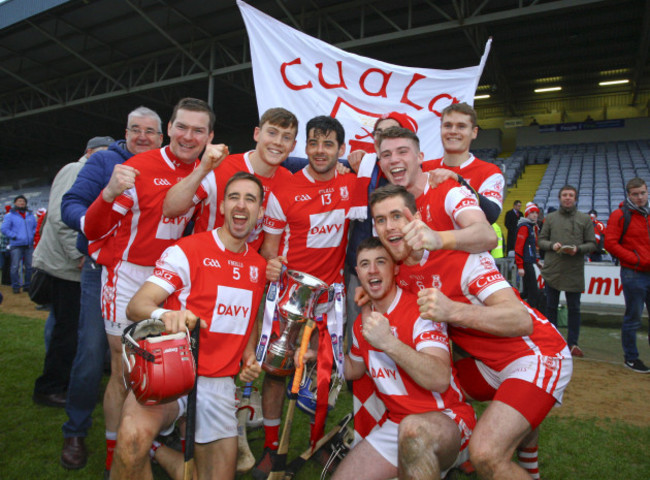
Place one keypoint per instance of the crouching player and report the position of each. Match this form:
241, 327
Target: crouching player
216, 277
409, 360
516, 358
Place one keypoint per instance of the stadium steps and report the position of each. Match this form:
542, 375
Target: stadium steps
523, 190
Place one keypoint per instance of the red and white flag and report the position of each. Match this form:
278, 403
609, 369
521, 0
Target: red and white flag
310, 77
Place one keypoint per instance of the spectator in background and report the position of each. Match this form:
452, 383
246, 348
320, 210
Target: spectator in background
58, 256
526, 254
5, 260
566, 237
599, 232
512, 219
143, 133
632, 247
19, 225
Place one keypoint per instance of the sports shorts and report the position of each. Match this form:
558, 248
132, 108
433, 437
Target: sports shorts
216, 409
119, 284
384, 438
532, 385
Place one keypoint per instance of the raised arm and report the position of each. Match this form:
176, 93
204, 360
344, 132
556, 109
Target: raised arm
502, 314
180, 197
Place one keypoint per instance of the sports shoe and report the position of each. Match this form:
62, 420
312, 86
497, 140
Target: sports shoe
576, 351
637, 365
265, 464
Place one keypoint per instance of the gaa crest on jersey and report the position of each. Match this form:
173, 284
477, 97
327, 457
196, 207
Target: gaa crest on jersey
345, 195
254, 273
436, 282
487, 263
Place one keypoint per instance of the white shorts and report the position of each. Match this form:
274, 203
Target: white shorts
119, 284
216, 409
384, 440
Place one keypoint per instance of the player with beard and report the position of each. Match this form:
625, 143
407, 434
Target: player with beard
217, 277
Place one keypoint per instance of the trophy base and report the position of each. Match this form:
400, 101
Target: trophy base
281, 366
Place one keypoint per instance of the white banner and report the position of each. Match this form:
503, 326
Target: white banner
310, 77
602, 284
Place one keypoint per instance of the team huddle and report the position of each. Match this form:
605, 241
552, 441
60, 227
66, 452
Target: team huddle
194, 242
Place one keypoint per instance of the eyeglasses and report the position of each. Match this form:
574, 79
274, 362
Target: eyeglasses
149, 132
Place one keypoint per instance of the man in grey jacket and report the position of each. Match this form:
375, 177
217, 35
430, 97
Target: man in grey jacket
567, 236
58, 256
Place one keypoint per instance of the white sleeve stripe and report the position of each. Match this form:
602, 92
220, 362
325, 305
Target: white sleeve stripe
165, 285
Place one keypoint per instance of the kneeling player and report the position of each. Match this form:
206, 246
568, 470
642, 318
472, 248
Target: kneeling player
214, 276
408, 358
518, 359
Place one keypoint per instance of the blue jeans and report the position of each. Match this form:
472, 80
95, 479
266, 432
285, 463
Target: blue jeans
21, 255
636, 290
573, 307
88, 364
49, 327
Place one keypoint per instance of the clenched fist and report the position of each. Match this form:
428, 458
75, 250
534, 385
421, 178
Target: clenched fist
122, 178
434, 305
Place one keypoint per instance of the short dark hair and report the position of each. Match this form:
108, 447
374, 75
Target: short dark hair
19, 197
593, 211
369, 243
399, 132
324, 124
246, 176
279, 116
194, 105
461, 107
516, 202
567, 187
389, 191
636, 182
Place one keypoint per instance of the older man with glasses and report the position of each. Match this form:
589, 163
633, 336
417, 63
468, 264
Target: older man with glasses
143, 133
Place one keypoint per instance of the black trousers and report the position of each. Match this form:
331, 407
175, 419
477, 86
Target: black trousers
66, 303
533, 293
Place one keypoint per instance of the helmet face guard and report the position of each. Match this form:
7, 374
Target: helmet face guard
308, 387
158, 368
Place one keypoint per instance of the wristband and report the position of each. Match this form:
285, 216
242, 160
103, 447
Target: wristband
448, 240
158, 312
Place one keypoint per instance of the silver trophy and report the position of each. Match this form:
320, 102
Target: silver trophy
295, 305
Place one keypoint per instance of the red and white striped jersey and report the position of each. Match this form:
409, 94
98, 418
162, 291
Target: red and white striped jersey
219, 286
472, 278
484, 177
133, 227
314, 217
455, 199
211, 193
399, 392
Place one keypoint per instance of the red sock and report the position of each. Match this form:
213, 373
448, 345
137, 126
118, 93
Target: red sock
271, 436
110, 448
183, 444
527, 459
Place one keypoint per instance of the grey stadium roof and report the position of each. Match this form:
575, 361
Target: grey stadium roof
70, 70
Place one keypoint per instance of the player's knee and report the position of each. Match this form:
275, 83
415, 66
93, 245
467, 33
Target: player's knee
133, 440
484, 457
412, 427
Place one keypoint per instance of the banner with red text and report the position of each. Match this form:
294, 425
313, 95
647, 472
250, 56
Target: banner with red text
310, 77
